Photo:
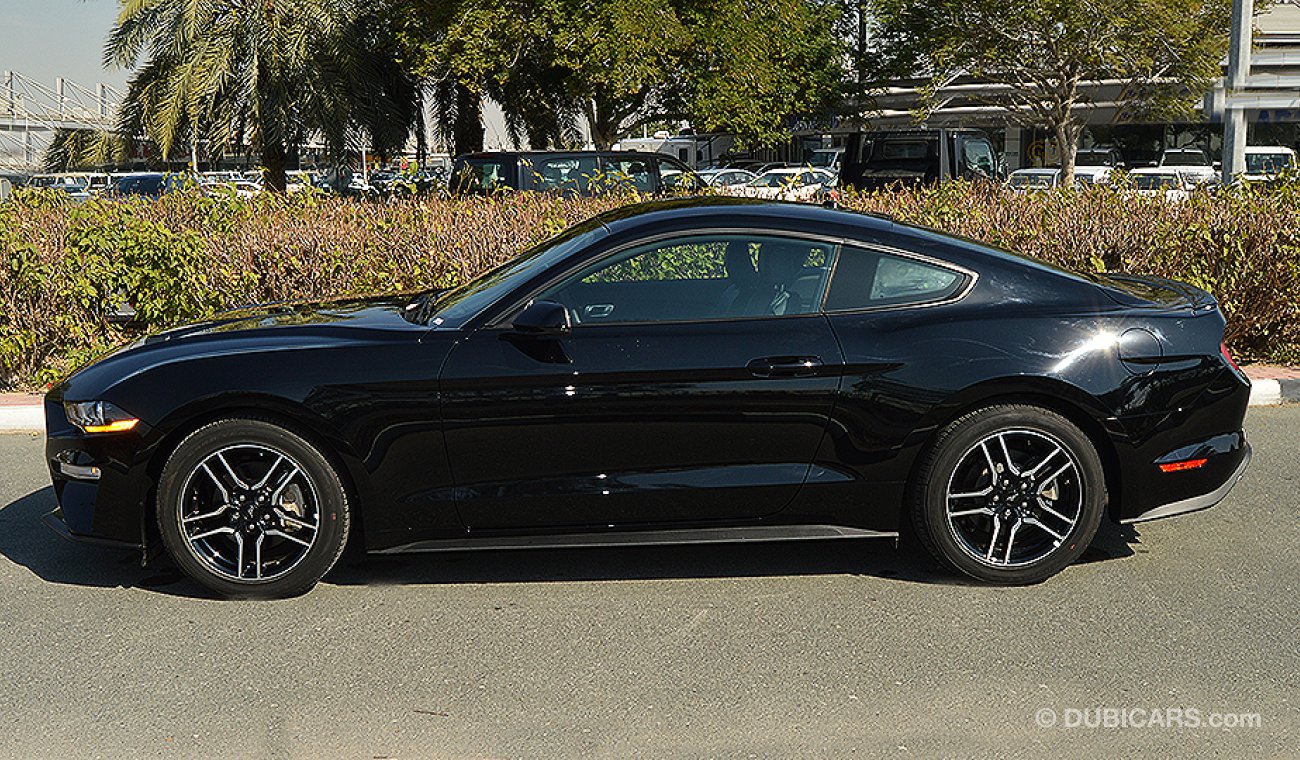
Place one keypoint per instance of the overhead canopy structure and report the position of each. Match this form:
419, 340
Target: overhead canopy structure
31, 112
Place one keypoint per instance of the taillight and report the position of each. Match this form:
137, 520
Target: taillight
1223, 349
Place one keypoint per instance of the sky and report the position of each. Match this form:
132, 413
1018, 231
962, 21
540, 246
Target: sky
45, 39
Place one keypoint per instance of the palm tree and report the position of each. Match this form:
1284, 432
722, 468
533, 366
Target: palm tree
268, 73
75, 150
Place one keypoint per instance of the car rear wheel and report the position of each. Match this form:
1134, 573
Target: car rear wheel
251, 509
1009, 494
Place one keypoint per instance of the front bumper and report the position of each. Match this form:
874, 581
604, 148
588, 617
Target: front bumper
1197, 503
101, 481
54, 521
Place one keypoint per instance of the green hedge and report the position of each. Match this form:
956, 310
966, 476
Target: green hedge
186, 256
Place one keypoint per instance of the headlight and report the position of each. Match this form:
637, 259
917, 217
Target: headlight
98, 417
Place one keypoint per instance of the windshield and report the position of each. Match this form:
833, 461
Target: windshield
773, 179
1268, 163
1155, 181
1185, 158
1092, 158
455, 307
1033, 180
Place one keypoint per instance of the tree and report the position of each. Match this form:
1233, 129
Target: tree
271, 73
753, 66
1041, 54
73, 150
732, 65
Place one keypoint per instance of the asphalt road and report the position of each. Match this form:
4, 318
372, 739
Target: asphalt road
840, 649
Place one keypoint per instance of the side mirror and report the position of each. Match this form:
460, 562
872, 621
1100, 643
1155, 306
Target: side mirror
1218, 165
543, 318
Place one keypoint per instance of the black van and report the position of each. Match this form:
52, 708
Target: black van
876, 160
583, 172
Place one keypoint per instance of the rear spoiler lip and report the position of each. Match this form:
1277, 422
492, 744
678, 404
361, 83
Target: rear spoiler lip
1188, 296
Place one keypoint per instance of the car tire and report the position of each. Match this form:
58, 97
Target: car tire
251, 509
1008, 494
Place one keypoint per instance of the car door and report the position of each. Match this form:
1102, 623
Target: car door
694, 385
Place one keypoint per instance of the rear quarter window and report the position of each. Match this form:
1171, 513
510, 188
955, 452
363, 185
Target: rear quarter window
867, 279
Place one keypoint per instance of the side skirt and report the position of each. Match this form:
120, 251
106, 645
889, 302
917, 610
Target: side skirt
642, 538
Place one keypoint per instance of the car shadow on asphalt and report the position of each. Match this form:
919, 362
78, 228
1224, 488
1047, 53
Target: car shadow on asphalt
27, 543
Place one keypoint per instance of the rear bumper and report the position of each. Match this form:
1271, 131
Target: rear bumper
1197, 503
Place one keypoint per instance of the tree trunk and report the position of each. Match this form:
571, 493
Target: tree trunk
604, 127
467, 130
273, 167
1067, 142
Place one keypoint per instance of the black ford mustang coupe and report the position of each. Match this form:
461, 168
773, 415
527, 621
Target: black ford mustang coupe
681, 371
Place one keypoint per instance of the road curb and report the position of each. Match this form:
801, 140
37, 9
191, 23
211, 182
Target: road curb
1270, 392
22, 418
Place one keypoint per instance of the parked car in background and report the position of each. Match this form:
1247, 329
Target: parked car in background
877, 160
1030, 180
245, 189
144, 184
77, 193
828, 159
757, 167
1193, 164
1090, 157
298, 180
217, 177
1171, 184
570, 172
1093, 175
791, 184
724, 178
90, 182
1265, 163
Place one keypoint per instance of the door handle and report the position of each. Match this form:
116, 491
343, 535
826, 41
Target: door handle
598, 310
785, 366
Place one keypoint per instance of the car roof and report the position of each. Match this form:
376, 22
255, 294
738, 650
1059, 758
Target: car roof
704, 208
1037, 170
727, 211
562, 153
1269, 149
1157, 170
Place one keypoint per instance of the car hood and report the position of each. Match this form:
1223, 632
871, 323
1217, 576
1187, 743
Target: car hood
377, 312
271, 328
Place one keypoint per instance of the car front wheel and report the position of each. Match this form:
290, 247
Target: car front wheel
1009, 494
251, 509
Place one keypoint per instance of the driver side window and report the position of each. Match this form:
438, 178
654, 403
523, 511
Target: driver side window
698, 277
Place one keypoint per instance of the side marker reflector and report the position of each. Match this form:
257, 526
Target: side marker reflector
1187, 464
